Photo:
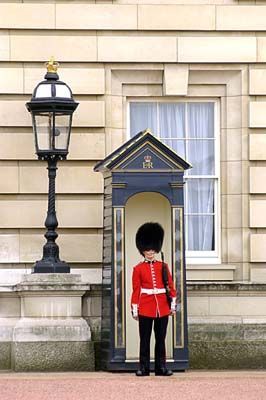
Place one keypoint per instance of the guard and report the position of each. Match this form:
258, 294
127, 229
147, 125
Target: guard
153, 298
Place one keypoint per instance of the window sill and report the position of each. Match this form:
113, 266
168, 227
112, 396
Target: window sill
207, 260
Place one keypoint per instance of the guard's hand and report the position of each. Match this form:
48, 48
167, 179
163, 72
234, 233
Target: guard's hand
136, 318
173, 308
172, 312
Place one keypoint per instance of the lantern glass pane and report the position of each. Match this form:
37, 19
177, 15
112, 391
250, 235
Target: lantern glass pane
44, 90
62, 131
62, 91
43, 126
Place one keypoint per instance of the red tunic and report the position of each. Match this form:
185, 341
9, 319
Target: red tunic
149, 276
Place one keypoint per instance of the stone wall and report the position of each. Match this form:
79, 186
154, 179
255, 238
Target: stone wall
227, 325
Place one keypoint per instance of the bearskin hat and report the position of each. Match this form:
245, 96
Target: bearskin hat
149, 237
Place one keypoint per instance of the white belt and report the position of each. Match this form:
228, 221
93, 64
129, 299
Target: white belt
152, 291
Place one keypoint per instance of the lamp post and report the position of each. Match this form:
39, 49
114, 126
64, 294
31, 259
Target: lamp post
51, 107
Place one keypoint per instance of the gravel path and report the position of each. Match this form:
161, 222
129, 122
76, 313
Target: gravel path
198, 385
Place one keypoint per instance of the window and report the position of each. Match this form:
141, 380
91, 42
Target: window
189, 128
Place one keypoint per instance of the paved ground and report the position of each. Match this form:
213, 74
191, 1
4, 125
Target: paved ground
198, 385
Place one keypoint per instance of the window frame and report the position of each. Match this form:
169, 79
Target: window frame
196, 257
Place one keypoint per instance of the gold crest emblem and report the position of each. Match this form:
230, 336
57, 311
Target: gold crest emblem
147, 162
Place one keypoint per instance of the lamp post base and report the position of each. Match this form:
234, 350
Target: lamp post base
51, 267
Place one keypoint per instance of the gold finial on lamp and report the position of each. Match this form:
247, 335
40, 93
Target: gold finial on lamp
52, 66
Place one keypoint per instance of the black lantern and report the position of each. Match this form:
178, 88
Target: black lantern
51, 106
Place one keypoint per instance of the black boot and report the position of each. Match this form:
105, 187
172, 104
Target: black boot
144, 366
142, 372
163, 372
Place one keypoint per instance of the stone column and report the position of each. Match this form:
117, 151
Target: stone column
51, 334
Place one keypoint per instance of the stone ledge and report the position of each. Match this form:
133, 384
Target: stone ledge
54, 282
226, 287
6, 288
7, 328
10, 290
51, 278
211, 320
223, 331
48, 329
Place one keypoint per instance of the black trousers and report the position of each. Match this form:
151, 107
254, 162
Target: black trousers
145, 329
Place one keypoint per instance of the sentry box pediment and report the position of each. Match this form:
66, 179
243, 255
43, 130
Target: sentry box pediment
143, 181
143, 152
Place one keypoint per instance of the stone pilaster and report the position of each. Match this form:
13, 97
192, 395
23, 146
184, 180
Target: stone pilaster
51, 333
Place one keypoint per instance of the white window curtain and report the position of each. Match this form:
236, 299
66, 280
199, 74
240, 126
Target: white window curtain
188, 128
